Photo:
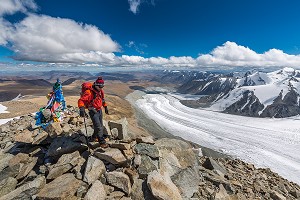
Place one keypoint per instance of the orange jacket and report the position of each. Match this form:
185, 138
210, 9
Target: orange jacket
91, 98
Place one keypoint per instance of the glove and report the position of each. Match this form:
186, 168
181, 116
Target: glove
106, 110
82, 112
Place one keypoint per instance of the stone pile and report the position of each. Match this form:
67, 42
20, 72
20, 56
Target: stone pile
57, 164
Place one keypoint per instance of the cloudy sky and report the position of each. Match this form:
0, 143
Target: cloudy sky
151, 33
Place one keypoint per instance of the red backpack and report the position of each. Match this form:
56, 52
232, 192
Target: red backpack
86, 86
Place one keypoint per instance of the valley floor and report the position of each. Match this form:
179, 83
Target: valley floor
271, 143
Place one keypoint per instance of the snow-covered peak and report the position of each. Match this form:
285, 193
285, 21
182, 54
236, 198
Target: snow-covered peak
251, 79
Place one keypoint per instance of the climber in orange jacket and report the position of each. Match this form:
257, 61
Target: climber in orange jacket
92, 98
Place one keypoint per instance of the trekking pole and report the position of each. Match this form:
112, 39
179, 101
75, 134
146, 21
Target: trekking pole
86, 135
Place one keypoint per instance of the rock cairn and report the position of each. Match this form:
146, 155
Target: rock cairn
56, 164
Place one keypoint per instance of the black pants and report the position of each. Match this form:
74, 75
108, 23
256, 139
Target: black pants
98, 125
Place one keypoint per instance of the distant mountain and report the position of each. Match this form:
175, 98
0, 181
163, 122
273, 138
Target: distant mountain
36, 82
254, 93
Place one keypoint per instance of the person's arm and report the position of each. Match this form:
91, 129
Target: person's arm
83, 101
103, 102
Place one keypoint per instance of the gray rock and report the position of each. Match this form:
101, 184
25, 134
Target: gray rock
121, 125
9, 172
24, 162
147, 149
66, 129
187, 181
120, 145
106, 129
115, 195
147, 140
93, 170
81, 191
276, 196
65, 163
114, 133
25, 137
27, 190
4, 128
295, 194
54, 129
147, 165
111, 155
119, 180
96, 192
4, 158
40, 137
63, 187
221, 194
162, 186
140, 191
64, 145
175, 155
89, 130
137, 160
211, 164
7, 185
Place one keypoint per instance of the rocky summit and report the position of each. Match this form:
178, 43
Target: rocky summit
58, 163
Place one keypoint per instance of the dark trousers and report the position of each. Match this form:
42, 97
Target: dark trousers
98, 124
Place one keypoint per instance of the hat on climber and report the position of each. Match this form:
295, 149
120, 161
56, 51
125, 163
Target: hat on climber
99, 82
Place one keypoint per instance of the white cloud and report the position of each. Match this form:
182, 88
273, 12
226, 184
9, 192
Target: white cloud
45, 38
6, 30
134, 5
13, 6
233, 55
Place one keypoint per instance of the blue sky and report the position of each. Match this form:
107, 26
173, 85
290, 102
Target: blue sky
152, 33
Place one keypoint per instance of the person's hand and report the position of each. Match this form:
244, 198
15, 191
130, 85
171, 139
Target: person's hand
106, 110
82, 112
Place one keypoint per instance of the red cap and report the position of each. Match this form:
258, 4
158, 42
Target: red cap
99, 81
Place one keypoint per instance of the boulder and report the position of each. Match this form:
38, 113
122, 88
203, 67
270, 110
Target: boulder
64, 145
277, 196
24, 162
41, 136
114, 133
141, 191
63, 187
147, 149
7, 185
211, 164
89, 130
96, 192
4, 158
175, 155
111, 155
187, 181
93, 170
147, 140
121, 125
66, 129
106, 129
54, 129
147, 165
120, 145
25, 137
65, 163
222, 194
119, 180
27, 190
162, 186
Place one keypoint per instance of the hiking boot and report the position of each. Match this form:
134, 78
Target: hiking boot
104, 145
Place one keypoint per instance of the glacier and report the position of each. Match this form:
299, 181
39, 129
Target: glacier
266, 142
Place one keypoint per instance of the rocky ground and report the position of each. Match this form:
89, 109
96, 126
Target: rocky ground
57, 163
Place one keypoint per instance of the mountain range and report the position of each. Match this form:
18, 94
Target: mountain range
254, 93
